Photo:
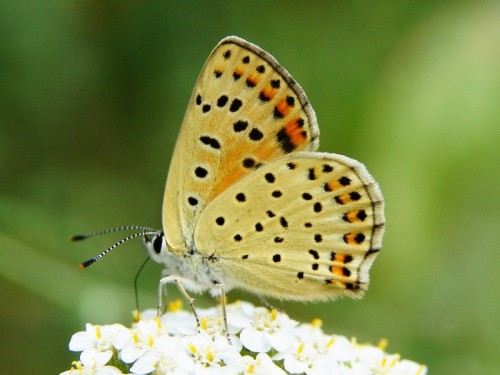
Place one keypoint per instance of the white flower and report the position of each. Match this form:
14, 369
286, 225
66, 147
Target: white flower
212, 351
239, 316
269, 329
260, 342
260, 365
179, 322
143, 339
408, 367
342, 349
93, 363
305, 358
101, 338
167, 357
393, 365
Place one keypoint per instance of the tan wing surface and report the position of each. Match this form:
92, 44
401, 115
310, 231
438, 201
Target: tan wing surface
245, 110
310, 224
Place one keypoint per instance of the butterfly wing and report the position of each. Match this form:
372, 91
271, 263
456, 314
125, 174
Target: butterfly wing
306, 226
245, 110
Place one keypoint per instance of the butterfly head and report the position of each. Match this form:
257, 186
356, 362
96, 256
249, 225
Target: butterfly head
156, 246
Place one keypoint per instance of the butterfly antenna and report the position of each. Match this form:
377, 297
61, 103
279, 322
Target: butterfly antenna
80, 237
99, 256
136, 279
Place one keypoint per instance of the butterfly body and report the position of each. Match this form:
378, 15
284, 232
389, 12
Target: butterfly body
194, 268
250, 204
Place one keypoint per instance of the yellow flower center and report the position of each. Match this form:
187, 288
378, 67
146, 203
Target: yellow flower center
203, 324
175, 306
317, 323
192, 348
383, 343
135, 338
301, 348
98, 332
274, 314
78, 365
136, 316
420, 369
331, 342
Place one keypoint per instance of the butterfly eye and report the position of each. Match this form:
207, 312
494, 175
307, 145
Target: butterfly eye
157, 243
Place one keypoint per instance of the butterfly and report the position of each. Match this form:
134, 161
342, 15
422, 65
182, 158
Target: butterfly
249, 203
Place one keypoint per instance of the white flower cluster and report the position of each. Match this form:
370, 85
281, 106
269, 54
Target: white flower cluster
261, 342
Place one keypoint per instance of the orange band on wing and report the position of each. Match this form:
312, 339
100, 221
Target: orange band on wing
267, 93
355, 216
253, 80
292, 135
237, 73
283, 108
295, 132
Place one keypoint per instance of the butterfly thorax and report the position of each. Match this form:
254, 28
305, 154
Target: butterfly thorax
190, 265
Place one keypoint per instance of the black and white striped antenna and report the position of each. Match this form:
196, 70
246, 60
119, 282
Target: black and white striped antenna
143, 231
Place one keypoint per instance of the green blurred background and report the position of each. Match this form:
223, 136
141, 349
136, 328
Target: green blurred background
92, 94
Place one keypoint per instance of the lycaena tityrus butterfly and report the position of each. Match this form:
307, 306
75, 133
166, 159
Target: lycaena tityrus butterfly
249, 203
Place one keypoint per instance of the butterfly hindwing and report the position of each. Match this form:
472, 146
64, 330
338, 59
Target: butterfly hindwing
306, 226
245, 111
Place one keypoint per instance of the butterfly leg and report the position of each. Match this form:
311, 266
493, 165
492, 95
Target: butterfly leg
178, 282
162, 294
223, 304
266, 304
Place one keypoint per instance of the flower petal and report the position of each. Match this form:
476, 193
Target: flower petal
255, 340
95, 358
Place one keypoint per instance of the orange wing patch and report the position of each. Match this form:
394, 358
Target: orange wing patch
237, 73
340, 272
292, 135
354, 238
347, 197
253, 80
355, 216
340, 183
341, 258
284, 107
253, 159
270, 90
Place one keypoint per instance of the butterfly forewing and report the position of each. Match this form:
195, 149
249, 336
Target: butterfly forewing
245, 111
306, 226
